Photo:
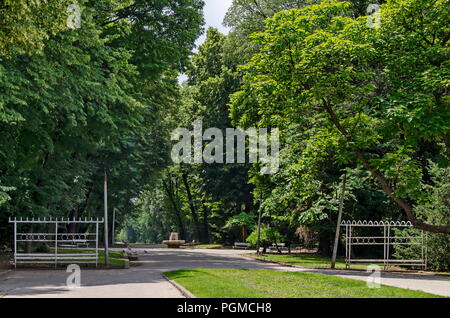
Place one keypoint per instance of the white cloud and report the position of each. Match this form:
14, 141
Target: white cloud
215, 12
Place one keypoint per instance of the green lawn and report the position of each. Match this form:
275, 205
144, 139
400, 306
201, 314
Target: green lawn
209, 246
308, 260
116, 258
240, 283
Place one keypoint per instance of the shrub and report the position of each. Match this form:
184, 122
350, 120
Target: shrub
268, 236
435, 210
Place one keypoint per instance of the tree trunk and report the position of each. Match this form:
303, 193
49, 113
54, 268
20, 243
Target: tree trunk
184, 177
407, 208
169, 188
205, 224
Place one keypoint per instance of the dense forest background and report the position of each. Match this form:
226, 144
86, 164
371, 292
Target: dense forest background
368, 103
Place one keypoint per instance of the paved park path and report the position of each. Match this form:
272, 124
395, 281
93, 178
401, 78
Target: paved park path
146, 279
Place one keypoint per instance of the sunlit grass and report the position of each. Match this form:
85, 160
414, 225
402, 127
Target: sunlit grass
308, 260
209, 246
241, 283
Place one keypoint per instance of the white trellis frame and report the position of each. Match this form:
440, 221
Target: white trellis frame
387, 240
55, 239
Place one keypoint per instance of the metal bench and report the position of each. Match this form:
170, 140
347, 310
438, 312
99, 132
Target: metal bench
239, 245
281, 247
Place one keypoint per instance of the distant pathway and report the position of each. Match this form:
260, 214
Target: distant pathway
146, 279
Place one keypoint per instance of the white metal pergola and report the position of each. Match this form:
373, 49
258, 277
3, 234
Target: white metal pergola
56, 239
387, 240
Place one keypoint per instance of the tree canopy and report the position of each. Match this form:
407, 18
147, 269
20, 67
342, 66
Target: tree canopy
366, 101
353, 99
90, 99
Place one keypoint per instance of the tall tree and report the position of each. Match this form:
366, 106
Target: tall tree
373, 95
90, 101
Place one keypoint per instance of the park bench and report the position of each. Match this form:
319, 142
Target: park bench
239, 245
75, 244
130, 254
81, 243
281, 246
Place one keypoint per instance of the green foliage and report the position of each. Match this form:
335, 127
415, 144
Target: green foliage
200, 198
163, 33
92, 99
25, 25
436, 210
4, 197
268, 236
242, 220
246, 17
340, 83
150, 222
348, 99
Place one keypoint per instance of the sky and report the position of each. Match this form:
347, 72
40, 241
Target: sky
214, 12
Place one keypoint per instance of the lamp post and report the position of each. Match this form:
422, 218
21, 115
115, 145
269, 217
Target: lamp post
113, 226
259, 228
106, 218
338, 225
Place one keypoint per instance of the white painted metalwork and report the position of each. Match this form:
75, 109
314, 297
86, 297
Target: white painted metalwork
58, 240
386, 240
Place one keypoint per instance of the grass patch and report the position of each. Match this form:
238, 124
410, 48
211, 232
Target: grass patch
308, 260
116, 258
443, 273
209, 246
241, 283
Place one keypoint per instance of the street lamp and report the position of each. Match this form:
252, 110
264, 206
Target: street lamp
106, 218
259, 227
113, 226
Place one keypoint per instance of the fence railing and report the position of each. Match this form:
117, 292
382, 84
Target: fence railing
64, 247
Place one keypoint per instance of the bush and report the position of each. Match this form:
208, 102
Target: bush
438, 249
436, 210
268, 236
244, 221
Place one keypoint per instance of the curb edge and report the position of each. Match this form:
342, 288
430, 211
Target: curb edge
180, 288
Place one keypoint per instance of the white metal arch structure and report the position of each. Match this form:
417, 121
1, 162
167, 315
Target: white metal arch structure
387, 240
57, 240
